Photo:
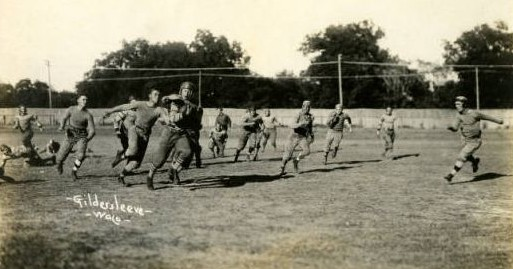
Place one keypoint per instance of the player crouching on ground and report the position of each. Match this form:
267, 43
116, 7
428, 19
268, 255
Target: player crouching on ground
302, 131
217, 141
386, 129
30, 155
469, 123
336, 124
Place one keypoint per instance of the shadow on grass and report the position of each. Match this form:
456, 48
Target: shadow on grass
229, 181
326, 169
11, 180
357, 162
482, 177
405, 156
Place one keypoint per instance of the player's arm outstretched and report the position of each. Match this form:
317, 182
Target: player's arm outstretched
490, 118
120, 108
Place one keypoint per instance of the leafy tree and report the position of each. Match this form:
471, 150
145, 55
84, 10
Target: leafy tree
6, 95
488, 45
206, 50
356, 42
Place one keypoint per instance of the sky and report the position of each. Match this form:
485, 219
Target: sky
72, 34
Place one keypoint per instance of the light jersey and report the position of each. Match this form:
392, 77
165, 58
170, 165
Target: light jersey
79, 118
468, 123
25, 122
218, 134
146, 115
270, 122
338, 123
387, 122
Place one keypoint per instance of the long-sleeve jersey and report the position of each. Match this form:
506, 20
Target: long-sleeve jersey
270, 122
336, 121
24, 122
387, 122
468, 122
146, 114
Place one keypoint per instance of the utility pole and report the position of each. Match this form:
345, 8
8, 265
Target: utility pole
341, 98
199, 88
49, 84
476, 69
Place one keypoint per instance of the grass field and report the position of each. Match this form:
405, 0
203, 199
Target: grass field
356, 212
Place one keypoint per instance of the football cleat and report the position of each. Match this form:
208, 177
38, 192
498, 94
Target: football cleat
74, 175
296, 165
117, 159
149, 183
59, 169
449, 177
475, 164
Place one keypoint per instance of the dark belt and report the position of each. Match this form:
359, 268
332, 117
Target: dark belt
75, 132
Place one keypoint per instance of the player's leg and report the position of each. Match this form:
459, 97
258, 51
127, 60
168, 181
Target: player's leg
160, 156
80, 156
243, 140
221, 145
123, 138
253, 146
63, 152
337, 138
273, 133
388, 138
135, 158
466, 153
183, 154
26, 138
327, 145
265, 137
305, 151
211, 146
292, 143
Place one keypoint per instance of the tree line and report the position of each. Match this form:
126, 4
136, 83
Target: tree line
364, 85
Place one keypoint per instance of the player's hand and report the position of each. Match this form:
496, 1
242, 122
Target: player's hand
60, 129
41, 129
350, 129
377, 133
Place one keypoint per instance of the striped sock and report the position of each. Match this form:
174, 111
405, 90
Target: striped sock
76, 165
457, 167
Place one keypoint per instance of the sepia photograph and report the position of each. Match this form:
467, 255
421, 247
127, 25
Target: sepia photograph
256, 134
